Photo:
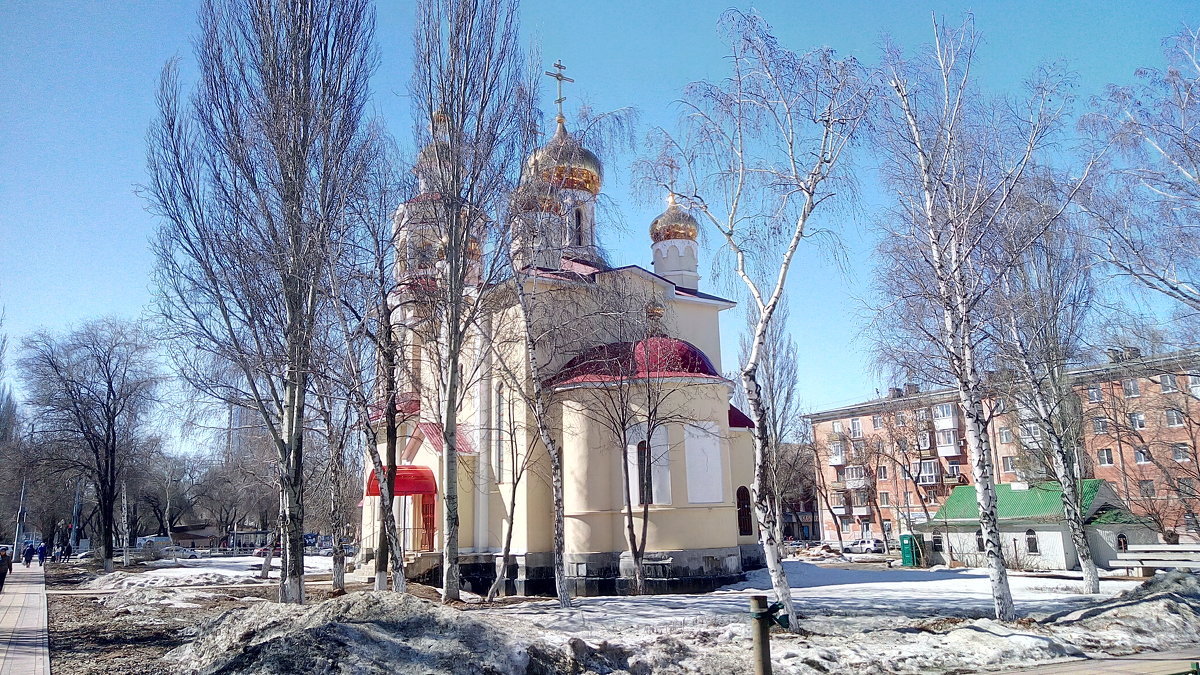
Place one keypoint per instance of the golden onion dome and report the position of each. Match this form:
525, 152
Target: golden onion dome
564, 163
674, 223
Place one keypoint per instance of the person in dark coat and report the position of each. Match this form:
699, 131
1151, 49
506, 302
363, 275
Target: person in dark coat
5, 566
41, 551
66, 552
28, 554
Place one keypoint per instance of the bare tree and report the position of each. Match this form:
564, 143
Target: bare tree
760, 155
955, 162
251, 180
1044, 306
1145, 213
471, 88
90, 392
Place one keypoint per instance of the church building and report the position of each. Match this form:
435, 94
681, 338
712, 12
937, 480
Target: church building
617, 348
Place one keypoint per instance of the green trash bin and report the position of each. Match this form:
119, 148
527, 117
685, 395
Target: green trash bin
912, 550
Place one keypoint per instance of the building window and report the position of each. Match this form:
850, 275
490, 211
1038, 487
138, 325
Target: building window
1174, 417
943, 411
885, 499
1000, 406
927, 473
953, 469
1187, 488
1031, 542
881, 473
839, 474
947, 437
1146, 488
923, 440
1006, 435
1194, 385
1168, 383
1130, 387
1104, 457
901, 419
979, 540
859, 498
1094, 393
936, 541
1008, 463
902, 445
1137, 420
847, 523
855, 472
745, 524
1122, 542
1141, 454
922, 414
1179, 452
1099, 425
1029, 431
502, 433
856, 428
578, 227
645, 478
877, 422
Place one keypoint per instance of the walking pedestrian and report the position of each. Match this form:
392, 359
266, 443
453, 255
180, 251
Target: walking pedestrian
28, 553
41, 551
67, 552
5, 566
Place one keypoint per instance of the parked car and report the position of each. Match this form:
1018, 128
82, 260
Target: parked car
178, 552
866, 546
262, 551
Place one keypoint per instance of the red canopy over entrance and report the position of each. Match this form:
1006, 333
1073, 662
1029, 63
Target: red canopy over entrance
410, 480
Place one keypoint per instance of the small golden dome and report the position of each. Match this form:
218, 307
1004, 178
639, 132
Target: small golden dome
674, 223
564, 163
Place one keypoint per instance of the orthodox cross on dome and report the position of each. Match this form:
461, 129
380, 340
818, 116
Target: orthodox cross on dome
561, 78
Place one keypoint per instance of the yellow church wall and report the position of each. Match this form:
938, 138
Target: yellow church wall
698, 324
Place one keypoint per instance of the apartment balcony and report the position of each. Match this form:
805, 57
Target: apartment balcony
837, 485
858, 483
862, 510
929, 479
949, 450
838, 510
927, 453
837, 460
953, 480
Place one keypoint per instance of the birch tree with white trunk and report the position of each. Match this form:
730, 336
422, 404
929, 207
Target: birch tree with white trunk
955, 159
762, 152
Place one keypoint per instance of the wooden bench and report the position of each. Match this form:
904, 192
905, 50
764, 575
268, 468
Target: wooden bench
1149, 557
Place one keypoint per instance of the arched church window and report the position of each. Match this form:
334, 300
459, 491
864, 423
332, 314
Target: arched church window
1122, 542
745, 525
937, 541
578, 230
645, 480
1031, 542
979, 540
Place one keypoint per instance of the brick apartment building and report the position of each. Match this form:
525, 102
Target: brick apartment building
888, 464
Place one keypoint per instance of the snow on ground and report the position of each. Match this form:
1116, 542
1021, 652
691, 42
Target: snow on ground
387, 632
201, 572
825, 590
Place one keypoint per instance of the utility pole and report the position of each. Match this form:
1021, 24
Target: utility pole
20, 519
76, 514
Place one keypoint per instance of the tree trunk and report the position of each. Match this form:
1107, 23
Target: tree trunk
764, 506
985, 495
291, 491
502, 571
450, 523
268, 557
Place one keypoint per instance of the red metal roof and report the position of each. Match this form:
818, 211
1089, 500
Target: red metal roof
433, 433
408, 403
654, 357
410, 480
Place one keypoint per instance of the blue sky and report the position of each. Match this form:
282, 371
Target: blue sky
77, 83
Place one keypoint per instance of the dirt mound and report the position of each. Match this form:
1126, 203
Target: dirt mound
119, 579
355, 633
153, 599
1162, 613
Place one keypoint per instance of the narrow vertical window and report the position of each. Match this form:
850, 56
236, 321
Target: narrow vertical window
1031, 542
501, 432
645, 480
745, 528
579, 227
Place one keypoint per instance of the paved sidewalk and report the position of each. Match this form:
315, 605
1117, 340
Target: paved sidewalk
1149, 663
24, 646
